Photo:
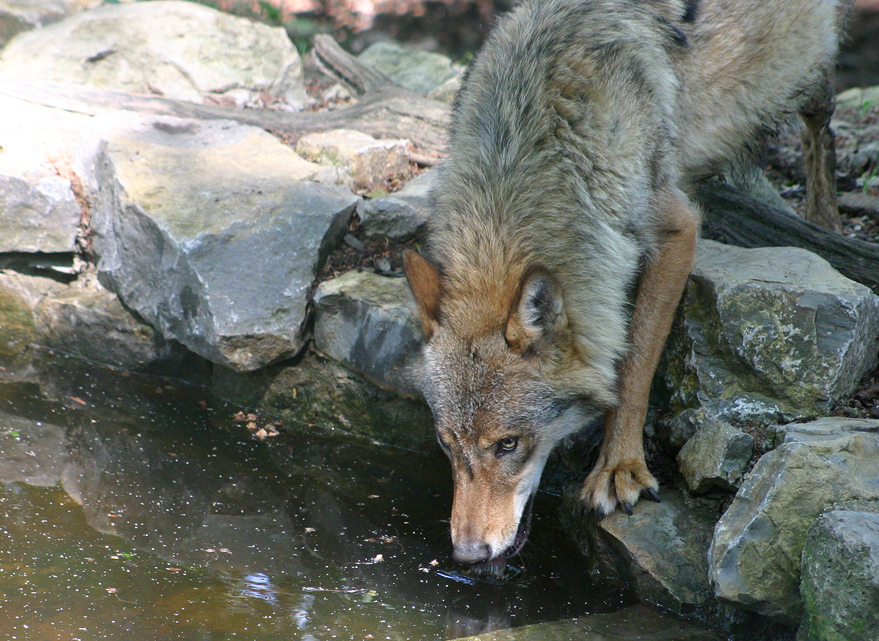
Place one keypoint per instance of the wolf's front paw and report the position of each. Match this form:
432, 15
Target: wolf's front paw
612, 483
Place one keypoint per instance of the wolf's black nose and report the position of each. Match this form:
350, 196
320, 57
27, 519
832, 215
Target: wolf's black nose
471, 553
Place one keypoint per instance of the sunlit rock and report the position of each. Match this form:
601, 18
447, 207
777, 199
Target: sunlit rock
178, 50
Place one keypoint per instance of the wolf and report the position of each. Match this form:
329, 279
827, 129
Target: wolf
562, 235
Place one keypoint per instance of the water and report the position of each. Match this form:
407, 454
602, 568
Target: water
135, 507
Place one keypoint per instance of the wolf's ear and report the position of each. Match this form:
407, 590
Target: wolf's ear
424, 281
537, 314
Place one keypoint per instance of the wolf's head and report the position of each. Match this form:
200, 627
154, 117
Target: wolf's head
506, 382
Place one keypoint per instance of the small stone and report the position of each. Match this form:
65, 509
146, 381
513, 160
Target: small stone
716, 457
400, 216
856, 203
363, 159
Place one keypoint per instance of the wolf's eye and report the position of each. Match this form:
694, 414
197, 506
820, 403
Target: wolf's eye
507, 445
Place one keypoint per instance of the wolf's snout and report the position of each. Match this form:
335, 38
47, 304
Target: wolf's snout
471, 552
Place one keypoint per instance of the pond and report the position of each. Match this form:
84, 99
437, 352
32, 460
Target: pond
141, 507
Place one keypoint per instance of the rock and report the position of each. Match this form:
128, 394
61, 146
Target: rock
754, 558
23, 15
857, 97
19, 297
717, 456
840, 586
320, 391
635, 622
38, 210
367, 322
34, 453
221, 259
418, 71
767, 335
180, 50
863, 158
361, 159
89, 322
856, 203
448, 91
400, 216
663, 547
823, 429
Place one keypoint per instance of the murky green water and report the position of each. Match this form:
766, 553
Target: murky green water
138, 508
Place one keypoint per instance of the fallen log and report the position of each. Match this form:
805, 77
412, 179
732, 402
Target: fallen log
734, 217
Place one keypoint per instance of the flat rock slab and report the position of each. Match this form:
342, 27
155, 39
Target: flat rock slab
368, 323
179, 50
767, 335
664, 545
211, 232
636, 622
754, 559
38, 209
840, 584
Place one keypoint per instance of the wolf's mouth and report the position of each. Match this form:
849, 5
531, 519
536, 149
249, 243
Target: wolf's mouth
521, 533
495, 569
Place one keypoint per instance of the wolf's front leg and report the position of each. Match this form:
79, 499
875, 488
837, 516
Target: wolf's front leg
620, 475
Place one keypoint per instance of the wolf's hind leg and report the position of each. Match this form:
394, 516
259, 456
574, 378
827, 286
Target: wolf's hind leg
820, 151
621, 474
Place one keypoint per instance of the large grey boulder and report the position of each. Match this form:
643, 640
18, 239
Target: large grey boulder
368, 323
766, 335
179, 50
38, 209
840, 586
207, 230
754, 559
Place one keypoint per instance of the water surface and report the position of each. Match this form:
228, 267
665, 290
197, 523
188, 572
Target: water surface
139, 507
